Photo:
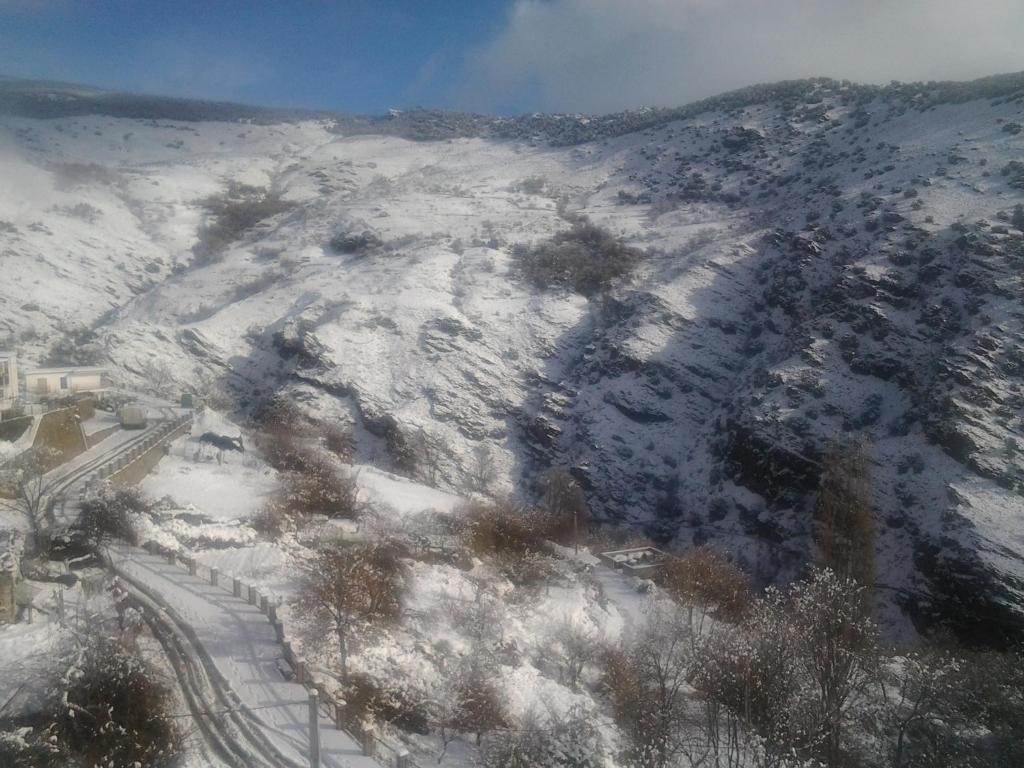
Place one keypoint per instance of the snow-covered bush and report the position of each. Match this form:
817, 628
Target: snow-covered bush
318, 487
571, 740
231, 215
585, 259
115, 712
111, 514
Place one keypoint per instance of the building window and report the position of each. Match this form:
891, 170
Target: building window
63, 382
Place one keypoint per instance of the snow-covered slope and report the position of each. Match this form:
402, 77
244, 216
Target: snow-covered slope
818, 260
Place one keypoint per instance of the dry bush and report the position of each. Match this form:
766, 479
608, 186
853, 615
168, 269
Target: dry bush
366, 700
573, 646
482, 470
707, 581
845, 520
280, 425
514, 537
350, 591
114, 711
794, 666
339, 440
558, 740
564, 501
317, 487
585, 259
273, 520
231, 215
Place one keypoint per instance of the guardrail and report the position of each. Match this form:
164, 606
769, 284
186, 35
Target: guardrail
373, 738
157, 437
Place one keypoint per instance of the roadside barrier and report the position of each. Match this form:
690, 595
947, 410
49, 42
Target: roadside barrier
376, 739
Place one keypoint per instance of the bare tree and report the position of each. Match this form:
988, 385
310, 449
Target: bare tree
836, 649
574, 646
27, 490
479, 707
751, 671
565, 502
926, 706
648, 681
845, 529
428, 456
482, 469
351, 588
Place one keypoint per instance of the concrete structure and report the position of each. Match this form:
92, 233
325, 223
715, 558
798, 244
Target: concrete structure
8, 379
11, 545
65, 380
638, 561
132, 416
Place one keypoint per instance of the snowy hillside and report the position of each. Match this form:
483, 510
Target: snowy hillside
818, 258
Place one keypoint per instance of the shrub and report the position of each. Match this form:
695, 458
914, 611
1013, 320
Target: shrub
110, 514
368, 700
571, 740
339, 441
1017, 219
20, 749
585, 259
347, 243
231, 215
516, 538
317, 486
280, 425
114, 712
273, 520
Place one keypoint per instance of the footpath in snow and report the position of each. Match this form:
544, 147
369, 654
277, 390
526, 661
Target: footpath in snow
243, 646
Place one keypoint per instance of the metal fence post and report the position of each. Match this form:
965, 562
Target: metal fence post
314, 729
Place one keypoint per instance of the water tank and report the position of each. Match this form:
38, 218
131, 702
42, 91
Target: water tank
132, 416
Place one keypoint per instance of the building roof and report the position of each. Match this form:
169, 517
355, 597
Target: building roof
70, 369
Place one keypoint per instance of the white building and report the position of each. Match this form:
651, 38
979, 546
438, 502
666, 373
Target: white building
8, 379
65, 381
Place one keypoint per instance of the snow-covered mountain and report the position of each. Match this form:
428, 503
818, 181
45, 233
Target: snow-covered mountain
817, 258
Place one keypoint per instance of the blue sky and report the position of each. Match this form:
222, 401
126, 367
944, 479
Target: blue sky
504, 56
359, 55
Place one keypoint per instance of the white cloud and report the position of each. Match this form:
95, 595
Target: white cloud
604, 55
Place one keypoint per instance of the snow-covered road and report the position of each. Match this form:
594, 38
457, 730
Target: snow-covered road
242, 645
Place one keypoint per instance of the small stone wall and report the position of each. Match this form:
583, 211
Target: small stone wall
141, 461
